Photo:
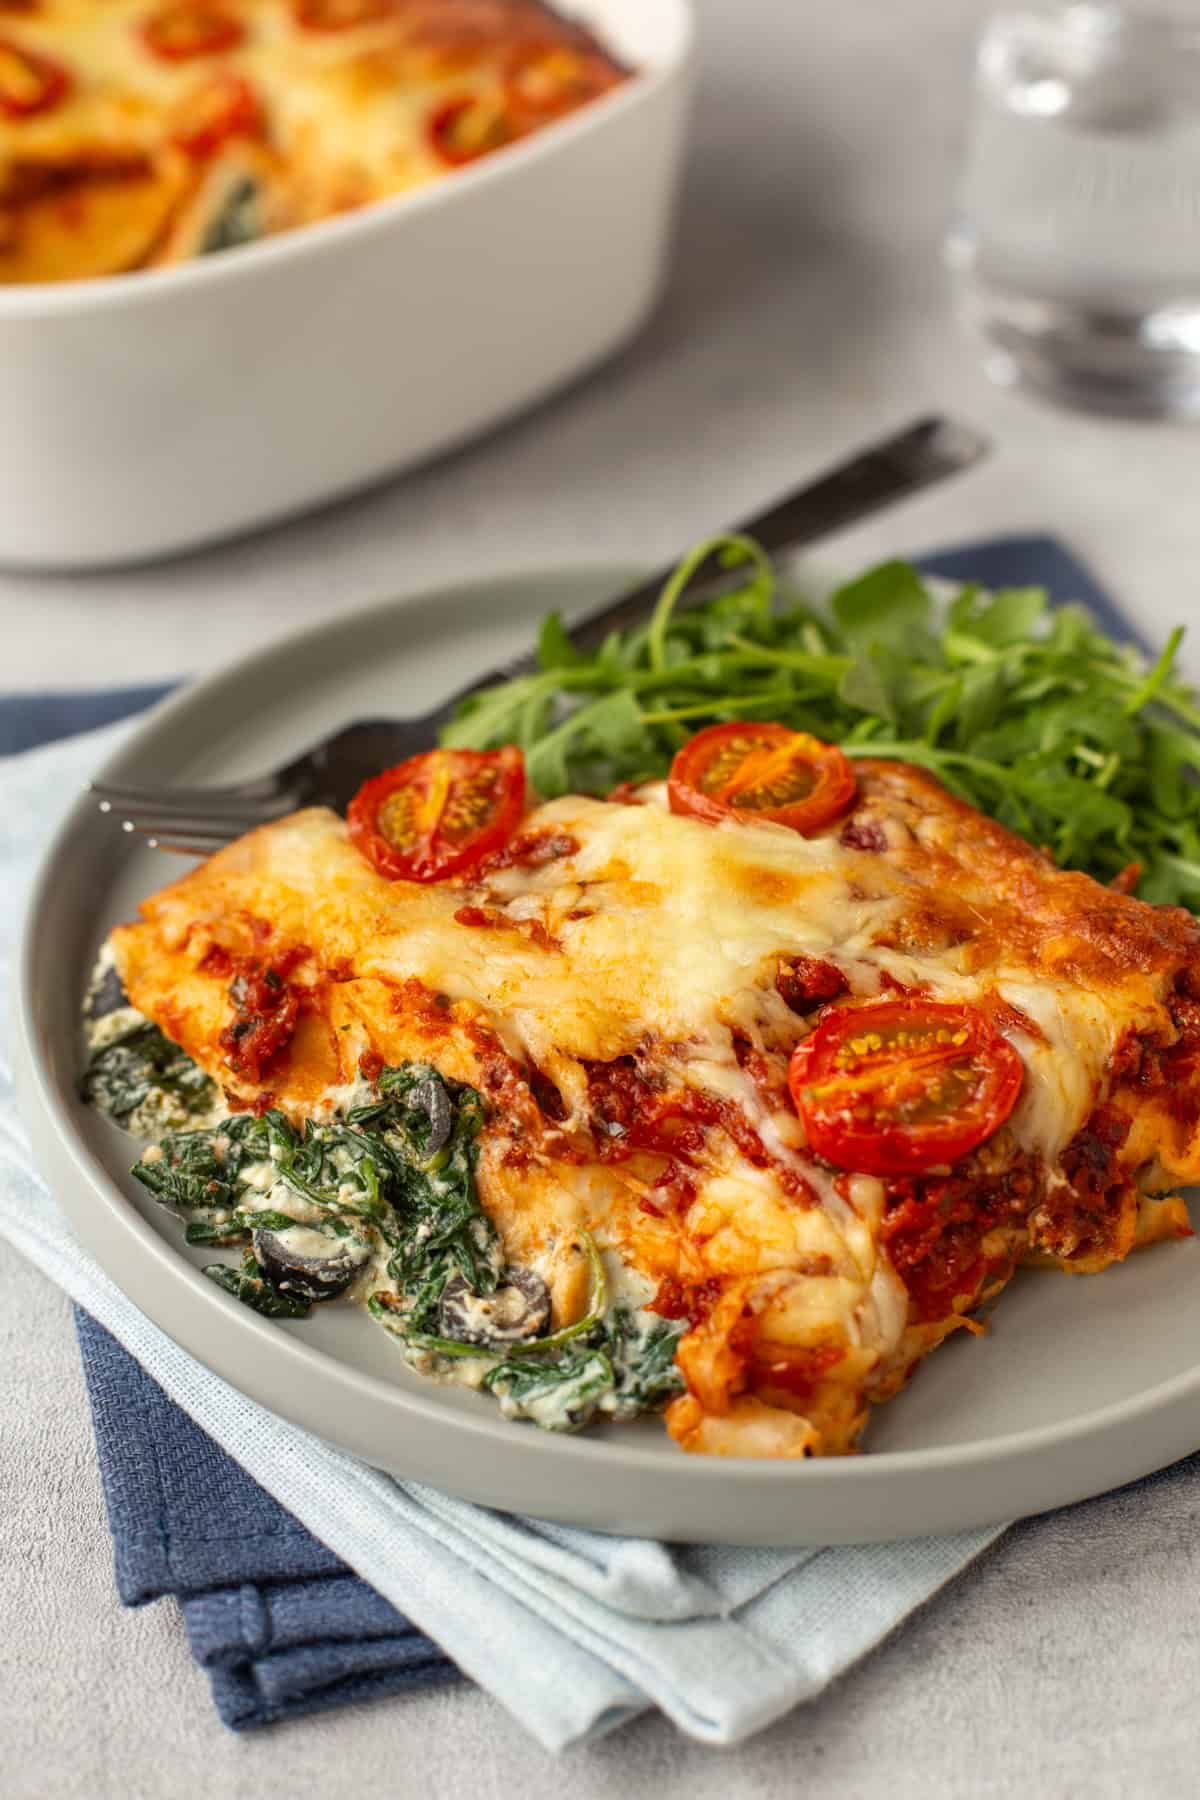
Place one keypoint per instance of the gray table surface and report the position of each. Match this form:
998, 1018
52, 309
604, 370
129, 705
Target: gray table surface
807, 310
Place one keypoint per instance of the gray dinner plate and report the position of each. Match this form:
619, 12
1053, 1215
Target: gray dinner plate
1081, 1383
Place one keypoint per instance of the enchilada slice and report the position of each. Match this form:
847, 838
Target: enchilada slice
748, 1120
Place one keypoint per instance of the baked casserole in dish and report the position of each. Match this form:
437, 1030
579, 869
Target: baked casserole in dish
139, 133
441, 214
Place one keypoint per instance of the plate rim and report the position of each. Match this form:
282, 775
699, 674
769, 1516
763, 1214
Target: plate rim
1047, 1450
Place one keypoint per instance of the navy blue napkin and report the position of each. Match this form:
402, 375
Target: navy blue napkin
30, 719
279, 1623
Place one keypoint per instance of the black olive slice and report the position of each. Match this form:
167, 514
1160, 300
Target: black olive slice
286, 1259
519, 1309
108, 995
431, 1098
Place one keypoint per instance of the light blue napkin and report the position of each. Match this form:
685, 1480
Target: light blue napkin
572, 1631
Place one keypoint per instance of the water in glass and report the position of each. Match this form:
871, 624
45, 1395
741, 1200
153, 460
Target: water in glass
1077, 242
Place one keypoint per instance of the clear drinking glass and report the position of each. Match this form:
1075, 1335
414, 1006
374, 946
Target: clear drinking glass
1076, 246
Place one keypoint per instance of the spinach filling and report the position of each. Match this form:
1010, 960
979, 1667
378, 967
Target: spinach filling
393, 1184
142, 1069
249, 1285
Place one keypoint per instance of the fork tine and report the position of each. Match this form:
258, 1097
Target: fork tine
264, 787
199, 841
183, 847
165, 817
169, 803
212, 831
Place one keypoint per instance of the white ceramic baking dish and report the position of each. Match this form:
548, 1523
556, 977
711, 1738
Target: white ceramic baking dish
147, 413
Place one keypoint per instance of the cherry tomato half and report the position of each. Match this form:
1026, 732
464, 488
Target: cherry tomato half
469, 126
440, 813
29, 82
187, 28
762, 769
338, 15
893, 1087
223, 108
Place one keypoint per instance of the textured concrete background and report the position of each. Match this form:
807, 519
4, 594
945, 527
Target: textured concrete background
807, 310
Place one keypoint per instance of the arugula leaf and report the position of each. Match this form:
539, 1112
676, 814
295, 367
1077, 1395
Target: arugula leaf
555, 649
981, 700
599, 730
1026, 710
1008, 616
495, 716
888, 605
885, 683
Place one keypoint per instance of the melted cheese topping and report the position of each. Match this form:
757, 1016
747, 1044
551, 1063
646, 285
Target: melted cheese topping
653, 941
665, 925
684, 924
97, 183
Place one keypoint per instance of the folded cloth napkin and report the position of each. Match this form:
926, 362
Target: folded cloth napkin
319, 1586
279, 1622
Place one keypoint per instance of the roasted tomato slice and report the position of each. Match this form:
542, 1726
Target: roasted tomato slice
440, 813
470, 126
29, 82
338, 15
225, 107
894, 1087
187, 28
765, 770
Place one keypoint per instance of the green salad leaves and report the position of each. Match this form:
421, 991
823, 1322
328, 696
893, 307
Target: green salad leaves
1026, 710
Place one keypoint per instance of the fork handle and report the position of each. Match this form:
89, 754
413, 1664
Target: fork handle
921, 454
